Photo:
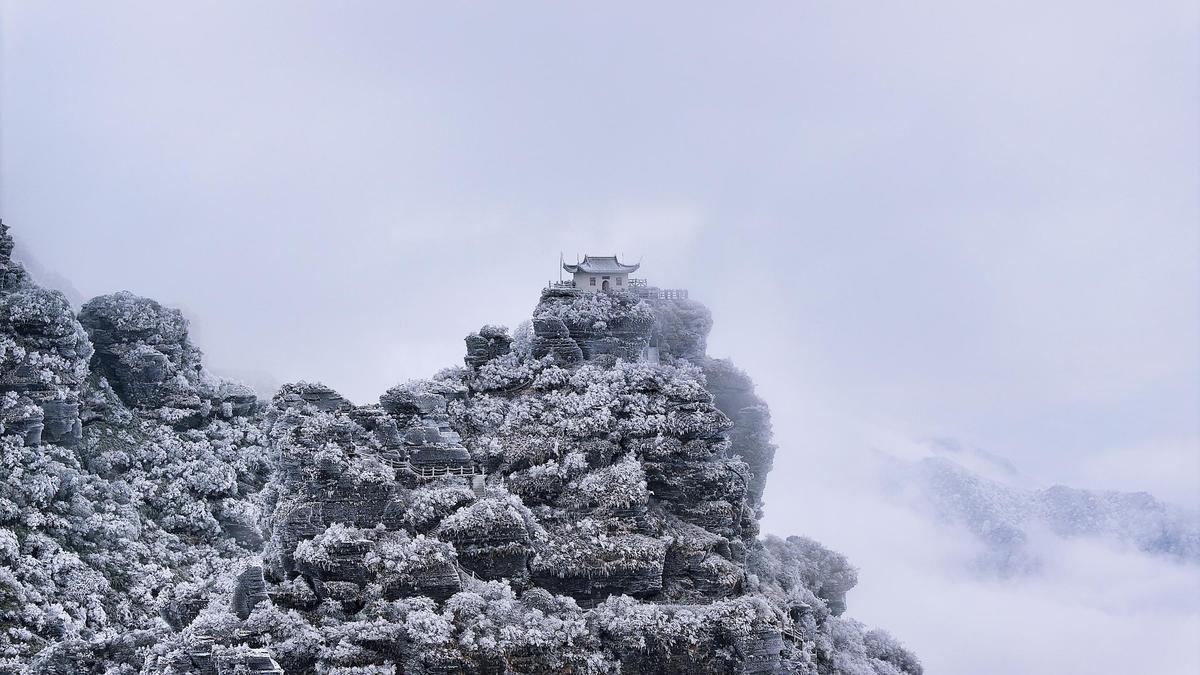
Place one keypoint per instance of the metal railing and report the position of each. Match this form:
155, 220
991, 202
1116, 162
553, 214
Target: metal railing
655, 293
638, 287
435, 470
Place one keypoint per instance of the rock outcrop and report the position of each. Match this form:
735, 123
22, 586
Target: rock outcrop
489, 343
750, 435
553, 339
12, 274
615, 324
143, 350
112, 512
44, 355
604, 503
583, 500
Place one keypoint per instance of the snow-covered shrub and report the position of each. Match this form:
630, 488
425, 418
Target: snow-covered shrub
427, 506
325, 549
613, 488
523, 338
588, 308
398, 554
585, 548
505, 373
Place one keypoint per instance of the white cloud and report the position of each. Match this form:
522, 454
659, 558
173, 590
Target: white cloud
1092, 607
1167, 469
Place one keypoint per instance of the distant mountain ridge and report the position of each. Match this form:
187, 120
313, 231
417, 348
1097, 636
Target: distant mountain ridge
1004, 516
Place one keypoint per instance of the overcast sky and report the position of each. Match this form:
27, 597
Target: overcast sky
912, 220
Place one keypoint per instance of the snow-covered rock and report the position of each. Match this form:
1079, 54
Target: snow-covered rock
562, 504
112, 513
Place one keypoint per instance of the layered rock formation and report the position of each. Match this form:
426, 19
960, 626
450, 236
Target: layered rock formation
142, 349
563, 505
127, 477
44, 355
584, 501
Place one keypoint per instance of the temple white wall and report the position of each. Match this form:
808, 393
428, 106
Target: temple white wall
582, 281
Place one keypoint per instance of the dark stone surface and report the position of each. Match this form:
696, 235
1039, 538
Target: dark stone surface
62, 423
438, 581
615, 325
143, 350
24, 420
551, 338
251, 589
253, 662
487, 344
591, 588
492, 540
141, 347
12, 274
46, 363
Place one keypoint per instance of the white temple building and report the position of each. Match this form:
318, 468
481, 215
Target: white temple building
597, 274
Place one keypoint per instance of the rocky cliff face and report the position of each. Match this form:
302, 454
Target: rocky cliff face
128, 477
583, 501
44, 355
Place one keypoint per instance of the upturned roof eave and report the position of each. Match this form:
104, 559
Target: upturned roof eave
589, 266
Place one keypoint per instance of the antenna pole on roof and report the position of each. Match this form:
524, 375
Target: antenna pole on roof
560, 266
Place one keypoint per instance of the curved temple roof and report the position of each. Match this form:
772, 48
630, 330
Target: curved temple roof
607, 264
